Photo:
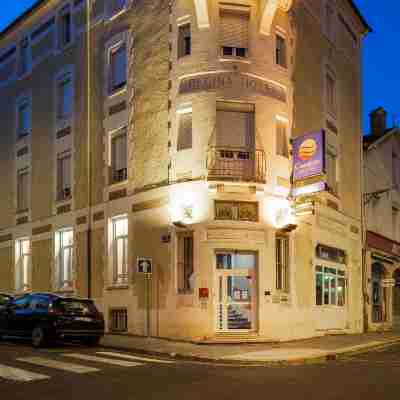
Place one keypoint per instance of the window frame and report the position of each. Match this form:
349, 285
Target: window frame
185, 262
282, 263
123, 131
281, 36
20, 203
182, 52
23, 278
65, 10
116, 281
22, 73
61, 189
331, 98
113, 49
24, 100
320, 270
60, 81
60, 248
282, 121
184, 112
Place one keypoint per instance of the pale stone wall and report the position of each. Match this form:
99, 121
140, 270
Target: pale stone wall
41, 265
6, 272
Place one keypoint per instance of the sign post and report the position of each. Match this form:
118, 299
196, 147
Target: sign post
145, 266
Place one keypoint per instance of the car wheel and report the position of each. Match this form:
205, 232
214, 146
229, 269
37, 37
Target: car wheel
38, 336
92, 341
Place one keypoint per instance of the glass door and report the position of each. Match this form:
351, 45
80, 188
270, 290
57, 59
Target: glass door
236, 300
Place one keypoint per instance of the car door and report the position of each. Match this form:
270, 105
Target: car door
18, 314
5, 302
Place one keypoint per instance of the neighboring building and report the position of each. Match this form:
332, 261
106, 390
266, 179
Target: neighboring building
184, 159
382, 208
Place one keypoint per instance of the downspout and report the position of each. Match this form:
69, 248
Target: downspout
89, 160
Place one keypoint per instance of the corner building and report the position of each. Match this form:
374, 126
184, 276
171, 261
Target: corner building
184, 163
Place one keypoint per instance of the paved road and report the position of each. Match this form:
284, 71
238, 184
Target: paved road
76, 372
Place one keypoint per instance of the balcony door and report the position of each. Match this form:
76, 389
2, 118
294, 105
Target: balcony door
236, 291
234, 156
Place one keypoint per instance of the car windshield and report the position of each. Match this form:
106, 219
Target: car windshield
73, 306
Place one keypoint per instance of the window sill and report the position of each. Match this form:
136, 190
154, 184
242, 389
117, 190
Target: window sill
118, 287
114, 185
235, 59
63, 201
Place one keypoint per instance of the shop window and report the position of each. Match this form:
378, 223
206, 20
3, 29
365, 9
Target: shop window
282, 141
185, 259
119, 156
64, 241
120, 250
64, 176
234, 32
280, 51
185, 126
236, 211
119, 320
117, 68
330, 286
282, 263
184, 41
22, 265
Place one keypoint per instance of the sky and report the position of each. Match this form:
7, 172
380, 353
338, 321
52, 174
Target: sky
380, 53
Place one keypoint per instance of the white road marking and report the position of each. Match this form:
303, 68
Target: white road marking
130, 357
47, 362
20, 375
120, 363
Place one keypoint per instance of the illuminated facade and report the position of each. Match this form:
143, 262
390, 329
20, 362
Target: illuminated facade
192, 109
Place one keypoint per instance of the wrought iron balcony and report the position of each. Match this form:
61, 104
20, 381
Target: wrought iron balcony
236, 164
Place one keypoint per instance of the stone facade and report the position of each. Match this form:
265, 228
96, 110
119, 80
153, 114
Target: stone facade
170, 195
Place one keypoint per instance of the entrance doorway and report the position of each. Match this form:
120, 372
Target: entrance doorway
378, 293
396, 301
236, 294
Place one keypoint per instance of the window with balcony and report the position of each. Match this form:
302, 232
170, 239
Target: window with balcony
64, 27
64, 176
119, 155
64, 97
282, 140
22, 265
23, 190
234, 31
117, 68
185, 259
119, 245
280, 51
184, 41
184, 130
23, 117
63, 243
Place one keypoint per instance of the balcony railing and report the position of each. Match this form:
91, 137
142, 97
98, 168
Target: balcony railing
236, 164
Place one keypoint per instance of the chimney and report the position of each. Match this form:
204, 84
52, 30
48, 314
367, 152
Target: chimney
377, 120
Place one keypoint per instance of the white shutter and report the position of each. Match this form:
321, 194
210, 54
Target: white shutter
185, 132
234, 29
281, 139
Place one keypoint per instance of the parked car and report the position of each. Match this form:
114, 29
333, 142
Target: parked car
4, 300
44, 317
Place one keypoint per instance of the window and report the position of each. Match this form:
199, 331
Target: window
22, 302
330, 286
234, 32
64, 27
23, 118
119, 156
120, 250
22, 265
64, 176
24, 56
331, 103
114, 7
280, 51
117, 71
64, 241
184, 130
119, 320
185, 261
396, 171
330, 22
64, 97
282, 263
184, 41
331, 172
236, 211
23, 190
282, 142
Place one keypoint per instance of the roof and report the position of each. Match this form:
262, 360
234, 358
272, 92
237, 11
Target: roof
370, 139
39, 3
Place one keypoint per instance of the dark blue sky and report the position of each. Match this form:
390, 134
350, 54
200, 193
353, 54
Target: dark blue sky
380, 61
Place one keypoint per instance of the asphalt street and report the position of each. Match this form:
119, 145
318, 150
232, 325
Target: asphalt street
77, 372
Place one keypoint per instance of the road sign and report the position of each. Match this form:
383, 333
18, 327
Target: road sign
144, 265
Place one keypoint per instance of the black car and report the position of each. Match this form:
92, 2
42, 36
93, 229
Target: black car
5, 299
44, 317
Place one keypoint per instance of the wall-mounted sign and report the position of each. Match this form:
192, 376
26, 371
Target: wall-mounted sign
144, 265
331, 254
308, 156
232, 80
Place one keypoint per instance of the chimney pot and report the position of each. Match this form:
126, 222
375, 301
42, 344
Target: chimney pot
378, 120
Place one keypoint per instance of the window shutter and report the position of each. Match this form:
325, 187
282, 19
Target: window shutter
234, 29
281, 139
67, 172
185, 132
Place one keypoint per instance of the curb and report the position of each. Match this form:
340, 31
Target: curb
329, 356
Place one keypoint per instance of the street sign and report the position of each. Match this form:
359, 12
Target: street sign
144, 265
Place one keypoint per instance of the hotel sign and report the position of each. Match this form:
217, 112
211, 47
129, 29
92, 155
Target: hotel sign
232, 80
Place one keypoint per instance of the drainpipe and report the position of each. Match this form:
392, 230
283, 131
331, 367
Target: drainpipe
89, 159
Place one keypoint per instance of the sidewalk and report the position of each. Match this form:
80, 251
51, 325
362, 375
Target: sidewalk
301, 351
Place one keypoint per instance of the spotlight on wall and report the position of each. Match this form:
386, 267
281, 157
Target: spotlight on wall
180, 224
